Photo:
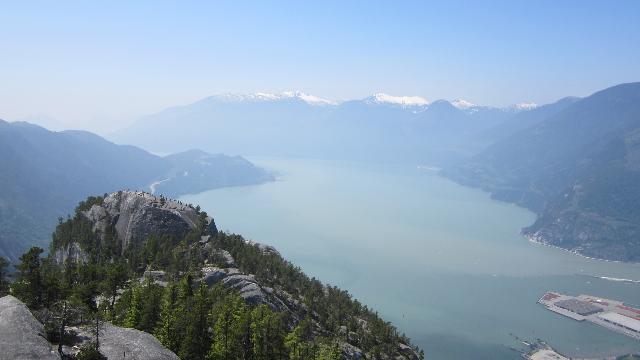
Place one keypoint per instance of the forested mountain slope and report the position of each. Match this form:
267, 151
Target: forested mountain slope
44, 174
578, 169
162, 267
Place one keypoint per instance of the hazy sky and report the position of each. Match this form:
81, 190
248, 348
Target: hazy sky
100, 64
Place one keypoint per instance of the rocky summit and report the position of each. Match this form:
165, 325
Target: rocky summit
136, 215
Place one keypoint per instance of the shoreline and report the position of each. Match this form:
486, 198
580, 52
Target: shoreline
533, 239
530, 237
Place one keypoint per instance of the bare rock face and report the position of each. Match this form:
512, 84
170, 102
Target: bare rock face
73, 252
21, 335
246, 285
131, 344
208, 253
136, 215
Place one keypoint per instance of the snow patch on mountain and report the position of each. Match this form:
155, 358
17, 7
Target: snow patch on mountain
463, 104
523, 106
405, 101
267, 97
414, 103
311, 99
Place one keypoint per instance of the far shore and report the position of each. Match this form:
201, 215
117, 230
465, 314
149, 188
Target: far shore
536, 240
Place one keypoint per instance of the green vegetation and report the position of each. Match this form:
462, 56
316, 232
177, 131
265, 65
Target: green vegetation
4, 281
90, 352
46, 173
188, 317
579, 170
332, 306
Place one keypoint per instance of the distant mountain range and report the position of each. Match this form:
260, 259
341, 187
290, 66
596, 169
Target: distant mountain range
574, 162
579, 169
380, 127
44, 174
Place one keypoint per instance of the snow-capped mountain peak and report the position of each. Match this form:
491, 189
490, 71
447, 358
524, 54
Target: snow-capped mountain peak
525, 106
266, 97
311, 99
405, 101
463, 104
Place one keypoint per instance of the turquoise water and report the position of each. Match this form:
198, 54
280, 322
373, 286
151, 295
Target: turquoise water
443, 262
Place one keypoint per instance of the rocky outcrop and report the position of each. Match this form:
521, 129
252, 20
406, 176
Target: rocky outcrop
350, 351
136, 215
209, 254
264, 248
408, 352
131, 344
72, 252
246, 285
21, 335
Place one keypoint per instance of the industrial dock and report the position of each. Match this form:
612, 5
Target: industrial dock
611, 314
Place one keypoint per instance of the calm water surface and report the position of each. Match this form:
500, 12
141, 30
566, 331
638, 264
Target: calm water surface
443, 262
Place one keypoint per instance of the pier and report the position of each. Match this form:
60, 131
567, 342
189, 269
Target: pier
611, 314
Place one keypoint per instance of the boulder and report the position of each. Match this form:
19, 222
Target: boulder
131, 344
21, 335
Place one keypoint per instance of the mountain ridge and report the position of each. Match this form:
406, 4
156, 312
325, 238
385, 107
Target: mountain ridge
381, 126
45, 173
577, 169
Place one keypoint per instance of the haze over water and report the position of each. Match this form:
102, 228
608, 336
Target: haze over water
443, 262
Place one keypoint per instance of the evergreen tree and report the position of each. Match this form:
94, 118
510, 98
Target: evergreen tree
267, 333
88, 280
96, 328
227, 332
51, 285
151, 298
70, 277
4, 281
60, 315
327, 351
167, 330
133, 316
28, 286
89, 352
197, 340
115, 278
298, 341
185, 288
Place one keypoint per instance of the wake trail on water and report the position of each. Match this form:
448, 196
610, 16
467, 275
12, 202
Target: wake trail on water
609, 278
